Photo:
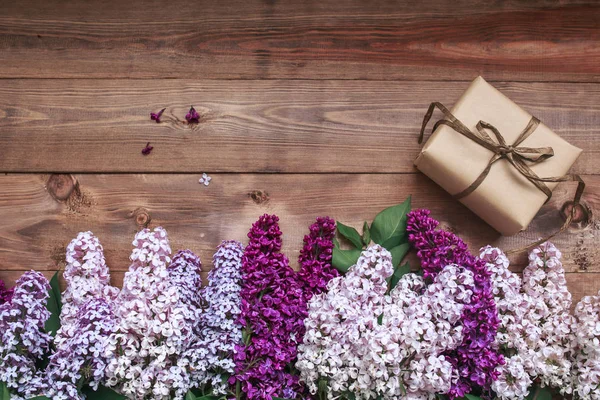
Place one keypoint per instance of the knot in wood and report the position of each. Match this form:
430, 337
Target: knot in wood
142, 218
259, 196
60, 186
582, 214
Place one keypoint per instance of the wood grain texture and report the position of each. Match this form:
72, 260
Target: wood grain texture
36, 227
299, 39
253, 126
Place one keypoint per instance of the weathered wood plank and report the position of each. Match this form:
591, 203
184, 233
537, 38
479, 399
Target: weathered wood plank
254, 39
36, 228
253, 126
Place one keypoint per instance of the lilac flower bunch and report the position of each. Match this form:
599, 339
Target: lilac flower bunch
86, 321
23, 341
544, 282
535, 332
516, 332
5, 294
184, 274
154, 322
219, 331
316, 256
272, 313
87, 277
364, 342
81, 359
586, 363
476, 359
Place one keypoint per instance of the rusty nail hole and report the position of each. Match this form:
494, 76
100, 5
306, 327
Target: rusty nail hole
582, 216
142, 217
60, 186
259, 196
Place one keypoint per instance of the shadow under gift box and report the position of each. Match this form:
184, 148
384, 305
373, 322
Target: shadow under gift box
505, 199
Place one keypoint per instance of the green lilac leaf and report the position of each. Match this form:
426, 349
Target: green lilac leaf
4, 393
399, 272
366, 236
389, 226
103, 393
471, 397
398, 253
351, 234
539, 393
190, 396
344, 259
54, 306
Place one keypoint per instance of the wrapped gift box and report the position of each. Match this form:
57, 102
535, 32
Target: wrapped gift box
505, 199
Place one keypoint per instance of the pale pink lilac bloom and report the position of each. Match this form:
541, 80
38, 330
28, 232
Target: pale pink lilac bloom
535, 322
374, 345
87, 277
155, 325
586, 365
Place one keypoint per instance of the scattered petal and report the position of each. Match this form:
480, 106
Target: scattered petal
192, 116
156, 116
205, 180
146, 150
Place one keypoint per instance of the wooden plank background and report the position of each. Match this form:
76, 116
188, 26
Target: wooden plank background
307, 108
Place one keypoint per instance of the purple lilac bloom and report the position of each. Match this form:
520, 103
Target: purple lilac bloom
192, 117
475, 359
272, 315
212, 353
184, 272
23, 341
5, 294
82, 358
315, 258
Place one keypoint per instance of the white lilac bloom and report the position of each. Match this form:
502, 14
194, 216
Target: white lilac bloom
219, 331
82, 358
23, 341
586, 365
376, 345
87, 277
544, 282
154, 325
535, 323
516, 334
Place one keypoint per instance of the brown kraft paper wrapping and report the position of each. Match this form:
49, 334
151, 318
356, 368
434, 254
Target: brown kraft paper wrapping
505, 199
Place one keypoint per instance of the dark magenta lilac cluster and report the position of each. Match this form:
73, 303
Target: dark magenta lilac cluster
5, 294
315, 258
272, 315
476, 359
273, 310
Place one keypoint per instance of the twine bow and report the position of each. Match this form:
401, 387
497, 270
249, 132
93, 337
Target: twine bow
515, 154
